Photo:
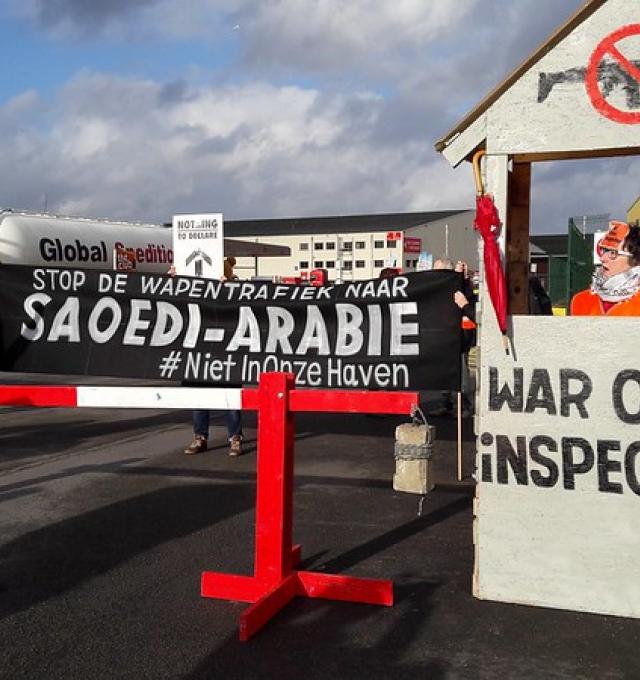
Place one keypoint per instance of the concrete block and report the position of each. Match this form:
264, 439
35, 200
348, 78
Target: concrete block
413, 452
413, 476
413, 434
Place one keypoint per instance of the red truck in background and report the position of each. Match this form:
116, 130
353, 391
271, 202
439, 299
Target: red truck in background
316, 277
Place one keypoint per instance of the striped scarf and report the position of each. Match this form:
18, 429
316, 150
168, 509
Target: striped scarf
616, 288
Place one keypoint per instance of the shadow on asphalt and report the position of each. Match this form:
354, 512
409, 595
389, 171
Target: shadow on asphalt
33, 485
336, 653
358, 425
46, 437
390, 538
56, 558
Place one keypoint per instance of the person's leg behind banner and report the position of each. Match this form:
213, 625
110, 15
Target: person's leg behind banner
233, 419
200, 433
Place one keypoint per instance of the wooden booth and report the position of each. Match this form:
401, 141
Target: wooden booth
557, 508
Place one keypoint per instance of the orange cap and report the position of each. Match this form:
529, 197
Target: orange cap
614, 238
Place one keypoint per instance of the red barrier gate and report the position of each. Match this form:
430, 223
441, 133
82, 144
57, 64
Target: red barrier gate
275, 581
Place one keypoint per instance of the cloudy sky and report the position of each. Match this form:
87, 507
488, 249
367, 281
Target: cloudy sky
140, 109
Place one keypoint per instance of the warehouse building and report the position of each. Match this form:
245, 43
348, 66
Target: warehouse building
356, 247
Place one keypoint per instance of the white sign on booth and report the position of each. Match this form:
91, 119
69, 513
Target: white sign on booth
580, 93
198, 245
557, 508
586, 88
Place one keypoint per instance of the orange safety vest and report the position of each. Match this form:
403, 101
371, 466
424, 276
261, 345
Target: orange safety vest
586, 303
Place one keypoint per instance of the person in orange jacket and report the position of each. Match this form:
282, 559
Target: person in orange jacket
615, 290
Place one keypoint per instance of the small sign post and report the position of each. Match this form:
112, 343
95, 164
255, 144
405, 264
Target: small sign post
198, 245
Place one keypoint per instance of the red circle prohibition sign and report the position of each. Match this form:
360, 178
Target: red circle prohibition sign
608, 46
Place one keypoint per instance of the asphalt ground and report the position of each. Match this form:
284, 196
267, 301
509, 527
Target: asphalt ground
105, 528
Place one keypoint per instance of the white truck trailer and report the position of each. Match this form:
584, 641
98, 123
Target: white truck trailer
57, 241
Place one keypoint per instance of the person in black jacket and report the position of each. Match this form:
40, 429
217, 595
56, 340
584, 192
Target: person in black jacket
465, 299
539, 300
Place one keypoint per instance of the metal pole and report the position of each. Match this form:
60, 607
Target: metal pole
459, 436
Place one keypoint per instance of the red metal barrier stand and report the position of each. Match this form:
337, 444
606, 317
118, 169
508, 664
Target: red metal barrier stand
275, 581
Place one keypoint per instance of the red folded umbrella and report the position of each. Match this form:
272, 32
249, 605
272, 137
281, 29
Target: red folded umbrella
487, 222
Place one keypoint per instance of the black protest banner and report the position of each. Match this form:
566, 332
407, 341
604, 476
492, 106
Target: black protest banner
393, 334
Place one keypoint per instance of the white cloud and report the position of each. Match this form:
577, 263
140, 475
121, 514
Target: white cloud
108, 146
20, 105
120, 147
330, 34
352, 23
566, 189
324, 107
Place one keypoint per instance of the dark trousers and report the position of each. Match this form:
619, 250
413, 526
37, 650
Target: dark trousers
201, 422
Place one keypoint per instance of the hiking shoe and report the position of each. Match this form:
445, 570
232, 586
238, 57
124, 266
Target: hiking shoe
235, 445
198, 445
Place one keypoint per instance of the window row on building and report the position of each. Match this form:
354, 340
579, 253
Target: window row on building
331, 264
348, 245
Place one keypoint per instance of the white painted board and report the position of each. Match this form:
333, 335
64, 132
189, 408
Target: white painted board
582, 95
558, 465
198, 245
